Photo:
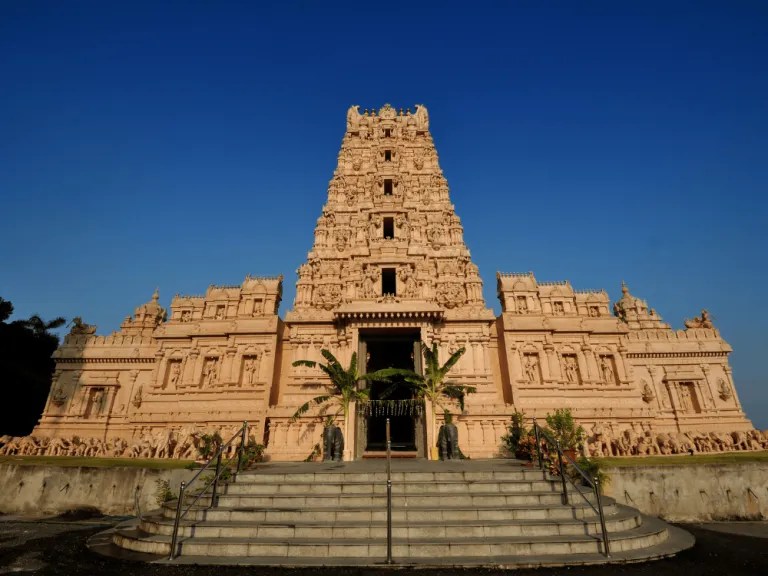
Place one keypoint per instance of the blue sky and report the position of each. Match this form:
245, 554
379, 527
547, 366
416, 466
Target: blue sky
181, 144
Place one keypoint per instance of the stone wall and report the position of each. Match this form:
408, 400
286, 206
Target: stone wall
52, 490
693, 493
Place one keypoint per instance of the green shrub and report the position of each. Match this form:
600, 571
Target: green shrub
515, 432
562, 427
209, 445
163, 492
592, 468
253, 454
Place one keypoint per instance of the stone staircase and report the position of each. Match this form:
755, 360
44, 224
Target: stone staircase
443, 513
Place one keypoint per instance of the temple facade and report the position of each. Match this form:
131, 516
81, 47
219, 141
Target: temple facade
388, 269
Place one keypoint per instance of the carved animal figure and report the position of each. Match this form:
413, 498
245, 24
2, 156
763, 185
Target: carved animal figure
333, 443
448, 442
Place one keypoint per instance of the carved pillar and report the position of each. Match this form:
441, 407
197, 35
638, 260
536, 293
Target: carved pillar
515, 364
263, 365
662, 396
158, 373
705, 389
553, 363
227, 365
54, 390
197, 370
582, 364
728, 370
622, 371
480, 367
588, 359
194, 368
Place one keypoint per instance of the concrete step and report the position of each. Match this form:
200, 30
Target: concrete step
158, 524
404, 487
642, 536
445, 512
398, 500
514, 472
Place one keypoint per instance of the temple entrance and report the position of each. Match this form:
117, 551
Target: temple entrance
391, 349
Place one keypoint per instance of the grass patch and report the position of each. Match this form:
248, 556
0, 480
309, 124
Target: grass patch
685, 460
95, 462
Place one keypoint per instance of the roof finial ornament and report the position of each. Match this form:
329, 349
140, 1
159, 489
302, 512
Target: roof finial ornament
156, 295
624, 288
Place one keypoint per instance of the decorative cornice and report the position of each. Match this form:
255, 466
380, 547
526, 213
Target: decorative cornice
105, 360
677, 355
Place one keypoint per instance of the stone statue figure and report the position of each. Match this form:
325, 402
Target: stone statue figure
250, 370
175, 372
370, 282
532, 368
210, 372
448, 440
724, 391
422, 117
333, 443
81, 328
703, 322
685, 398
605, 365
571, 370
353, 117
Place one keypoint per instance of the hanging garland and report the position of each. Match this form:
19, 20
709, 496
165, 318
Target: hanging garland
413, 407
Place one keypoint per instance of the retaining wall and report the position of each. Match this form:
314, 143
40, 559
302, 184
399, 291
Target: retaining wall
694, 493
52, 490
676, 493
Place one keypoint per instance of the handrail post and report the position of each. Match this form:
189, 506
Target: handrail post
175, 535
538, 443
562, 471
389, 497
216, 479
241, 452
606, 547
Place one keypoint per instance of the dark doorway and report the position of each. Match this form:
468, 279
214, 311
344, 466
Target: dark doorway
391, 352
389, 286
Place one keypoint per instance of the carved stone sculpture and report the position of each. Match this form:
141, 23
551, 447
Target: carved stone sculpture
605, 366
703, 322
723, 390
448, 442
80, 328
532, 368
333, 443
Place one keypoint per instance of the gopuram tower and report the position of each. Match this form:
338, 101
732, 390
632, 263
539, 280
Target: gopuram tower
388, 269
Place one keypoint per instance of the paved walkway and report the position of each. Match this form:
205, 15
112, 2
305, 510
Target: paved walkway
57, 547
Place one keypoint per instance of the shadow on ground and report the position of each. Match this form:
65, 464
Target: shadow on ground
58, 547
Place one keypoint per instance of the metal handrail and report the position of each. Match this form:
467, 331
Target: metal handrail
214, 481
389, 497
593, 483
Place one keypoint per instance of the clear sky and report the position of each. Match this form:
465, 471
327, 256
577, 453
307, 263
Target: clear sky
181, 144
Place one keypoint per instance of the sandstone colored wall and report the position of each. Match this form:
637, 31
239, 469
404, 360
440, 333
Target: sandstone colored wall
51, 490
694, 493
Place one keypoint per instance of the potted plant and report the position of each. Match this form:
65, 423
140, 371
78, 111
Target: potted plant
526, 449
562, 427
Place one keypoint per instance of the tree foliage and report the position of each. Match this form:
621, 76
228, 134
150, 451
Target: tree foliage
344, 386
432, 385
26, 368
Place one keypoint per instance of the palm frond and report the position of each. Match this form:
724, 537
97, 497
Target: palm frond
353, 364
310, 363
331, 358
305, 407
386, 373
452, 361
